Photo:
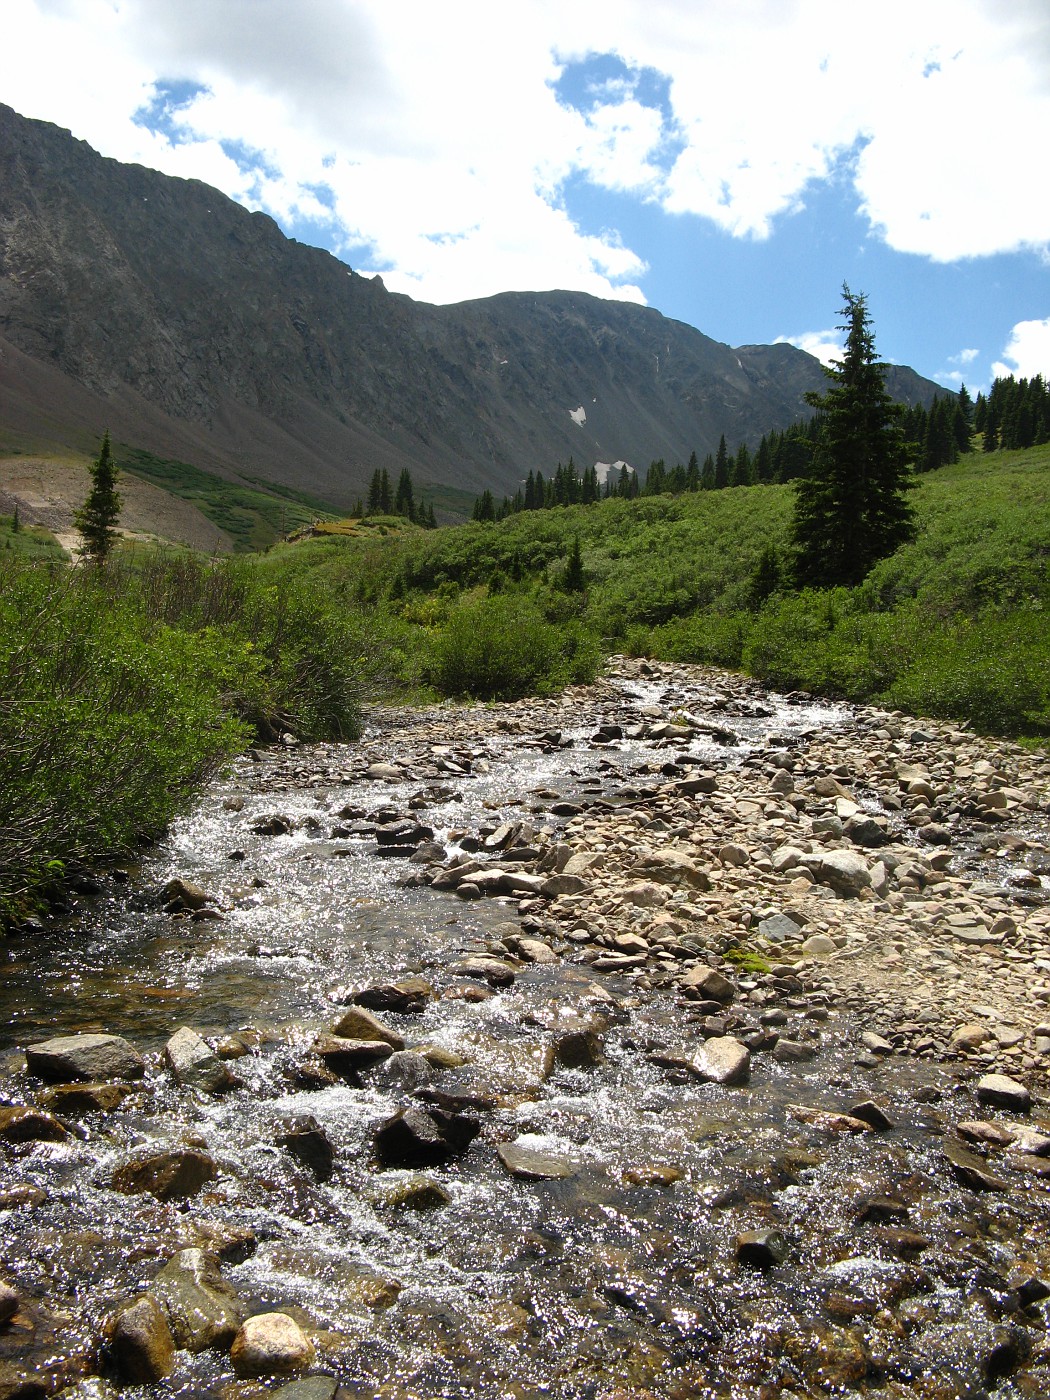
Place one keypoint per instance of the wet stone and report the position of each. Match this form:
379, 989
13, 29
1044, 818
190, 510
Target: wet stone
202, 1309
30, 1125
271, 1344
424, 1137
88, 1057
359, 1024
532, 1164
8, 1302
970, 1170
74, 1100
194, 1065
761, 1249
308, 1143
407, 997
139, 1341
1003, 1092
170, 1176
705, 983
724, 1060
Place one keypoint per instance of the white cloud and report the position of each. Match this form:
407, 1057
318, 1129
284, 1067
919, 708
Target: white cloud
1027, 352
827, 346
441, 139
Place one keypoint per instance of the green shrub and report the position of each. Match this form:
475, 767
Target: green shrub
501, 647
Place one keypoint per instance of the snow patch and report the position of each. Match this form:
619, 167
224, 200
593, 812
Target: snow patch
604, 468
578, 415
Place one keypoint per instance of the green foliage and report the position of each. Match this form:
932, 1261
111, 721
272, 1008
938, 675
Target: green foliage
101, 510
502, 647
120, 689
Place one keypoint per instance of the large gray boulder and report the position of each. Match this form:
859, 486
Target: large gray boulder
202, 1309
88, 1057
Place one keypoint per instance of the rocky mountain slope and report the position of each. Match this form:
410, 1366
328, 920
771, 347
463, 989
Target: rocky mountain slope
190, 327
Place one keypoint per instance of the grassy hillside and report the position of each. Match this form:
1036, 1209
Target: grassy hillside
28, 541
955, 623
254, 515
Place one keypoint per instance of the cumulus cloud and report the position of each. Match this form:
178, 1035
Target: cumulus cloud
1027, 352
438, 140
827, 346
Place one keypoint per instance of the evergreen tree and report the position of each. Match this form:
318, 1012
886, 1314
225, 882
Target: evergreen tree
692, 473
740, 470
656, 478
766, 577
721, 464
851, 509
375, 493
101, 510
358, 509
485, 506
386, 497
404, 499
574, 579
16, 523
707, 475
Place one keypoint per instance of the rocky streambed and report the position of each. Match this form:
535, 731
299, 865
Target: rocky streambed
664, 1039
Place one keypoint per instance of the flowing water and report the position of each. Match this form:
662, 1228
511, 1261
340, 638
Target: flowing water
619, 1278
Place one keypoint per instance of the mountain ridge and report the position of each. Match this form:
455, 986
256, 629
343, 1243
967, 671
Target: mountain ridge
161, 309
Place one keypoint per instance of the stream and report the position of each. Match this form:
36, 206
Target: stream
617, 1270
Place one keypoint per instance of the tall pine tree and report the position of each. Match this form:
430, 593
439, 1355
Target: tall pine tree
101, 510
851, 507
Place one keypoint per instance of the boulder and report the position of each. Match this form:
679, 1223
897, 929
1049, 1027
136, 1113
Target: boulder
407, 997
9, 1302
175, 1175
844, 871
74, 1100
360, 1024
30, 1125
88, 1057
644, 894
139, 1341
704, 983
308, 1143
194, 1065
579, 1046
346, 1057
406, 1070
424, 1137
529, 1164
723, 1060
202, 1309
557, 885
671, 867
188, 894
486, 969
271, 1344
1003, 1092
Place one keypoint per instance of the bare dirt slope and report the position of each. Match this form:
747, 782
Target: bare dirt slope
49, 490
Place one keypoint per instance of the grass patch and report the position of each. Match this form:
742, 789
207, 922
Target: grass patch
255, 516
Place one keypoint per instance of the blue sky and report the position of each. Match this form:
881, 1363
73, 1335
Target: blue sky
729, 162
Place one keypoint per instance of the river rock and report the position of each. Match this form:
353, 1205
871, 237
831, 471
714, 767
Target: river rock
89, 1057
724, 1060
486, 969
346, 1057
579, 1046
970, 1170
194, 1065
139, 1341
733, 854
424, 1137
9, 1302
186, 893
779, 928
530, 1164
308, 1388
202, 1309
644, 894
73, 1100
414, 1193
383, 773
360, 1024
308, 1143
671, 867
1003, 1092
271, 1344
557, 885
761, 1249
30, 1125
845, 871
789, 1052
819, 945
407, 997
406, 1070
707, 984
969, 1036
170, 1176
534, 950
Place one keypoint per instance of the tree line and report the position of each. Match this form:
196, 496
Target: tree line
383, 499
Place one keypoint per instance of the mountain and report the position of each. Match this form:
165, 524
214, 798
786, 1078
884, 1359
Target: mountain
196, 330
